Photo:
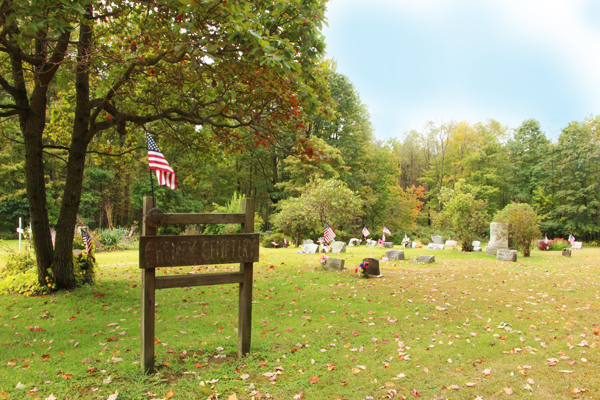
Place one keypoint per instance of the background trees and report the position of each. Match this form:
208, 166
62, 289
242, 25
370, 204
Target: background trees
235, 73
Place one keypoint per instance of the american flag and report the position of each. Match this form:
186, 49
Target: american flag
386, 230
328, 234
87, 241
164, 173
365, 232
571, 239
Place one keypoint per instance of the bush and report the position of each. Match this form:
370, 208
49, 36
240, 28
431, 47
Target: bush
85, 269
19, 274
277, 238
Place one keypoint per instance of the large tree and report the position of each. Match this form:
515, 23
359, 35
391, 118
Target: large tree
231, 70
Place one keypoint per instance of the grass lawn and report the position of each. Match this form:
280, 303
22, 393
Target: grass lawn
465, 327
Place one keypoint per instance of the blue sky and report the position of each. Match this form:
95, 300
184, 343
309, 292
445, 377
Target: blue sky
414, 61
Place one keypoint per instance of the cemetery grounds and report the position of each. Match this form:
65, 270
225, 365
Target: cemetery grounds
465, 327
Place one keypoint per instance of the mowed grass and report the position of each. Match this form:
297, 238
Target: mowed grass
465, 327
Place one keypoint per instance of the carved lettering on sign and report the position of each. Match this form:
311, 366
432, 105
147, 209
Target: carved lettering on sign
176, 251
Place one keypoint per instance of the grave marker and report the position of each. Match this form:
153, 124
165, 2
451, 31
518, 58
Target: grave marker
338, 247
394, 254
506, 255
426, 259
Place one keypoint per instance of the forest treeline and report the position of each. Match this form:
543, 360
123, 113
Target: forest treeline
399, 180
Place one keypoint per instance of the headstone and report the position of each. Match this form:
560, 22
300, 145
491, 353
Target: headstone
498, 238
476, 245
269, 233
371, 243
577, 245
310, 248
353, 242
373, 270
414, 245
435, 246
334, 264
426, 259
438, 240
338, 247
451, 243
566, 252
387, 245
394, 254
307, 241
506, 255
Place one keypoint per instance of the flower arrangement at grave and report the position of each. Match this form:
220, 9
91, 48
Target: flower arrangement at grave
362, 268
323, 260
553, 244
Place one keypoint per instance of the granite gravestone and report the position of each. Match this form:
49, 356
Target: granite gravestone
310, 248
394, 255
373, 270
498, 238
426, 259
338, 247
476, 245
334, 264
506, 255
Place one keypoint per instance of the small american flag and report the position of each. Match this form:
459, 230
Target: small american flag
328, 234
157, 162
87, 241
365, 232
571, 239
386, 230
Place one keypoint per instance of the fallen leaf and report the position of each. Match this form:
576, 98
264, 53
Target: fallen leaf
232, 397
313, 380
245, 376
299, 396
170, 394
470, 384
508, 391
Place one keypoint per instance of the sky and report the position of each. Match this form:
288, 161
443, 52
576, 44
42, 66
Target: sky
414, 61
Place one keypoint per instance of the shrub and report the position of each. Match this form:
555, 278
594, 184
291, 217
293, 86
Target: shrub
85, 269
110, 238
277, 238
19, 274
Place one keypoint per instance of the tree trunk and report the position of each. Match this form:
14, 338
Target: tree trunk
32, 128
65, 228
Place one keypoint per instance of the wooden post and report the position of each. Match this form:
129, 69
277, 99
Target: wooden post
245, 297
148, 298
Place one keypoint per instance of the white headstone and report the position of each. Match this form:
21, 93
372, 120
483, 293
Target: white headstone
338, 247
438, 240
506, 255
451, 243
435, 246
577, 245
310, 248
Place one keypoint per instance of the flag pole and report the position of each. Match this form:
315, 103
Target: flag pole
151, 180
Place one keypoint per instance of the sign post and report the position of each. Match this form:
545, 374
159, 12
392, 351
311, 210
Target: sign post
171, 251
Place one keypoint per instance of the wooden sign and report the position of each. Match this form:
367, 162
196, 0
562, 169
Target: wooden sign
179, 251
170, 251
